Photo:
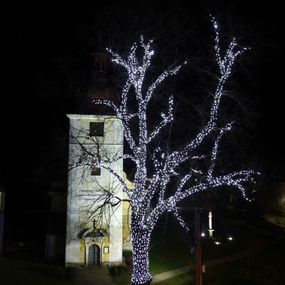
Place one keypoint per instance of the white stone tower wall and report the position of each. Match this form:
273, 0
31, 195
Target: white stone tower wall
82, 187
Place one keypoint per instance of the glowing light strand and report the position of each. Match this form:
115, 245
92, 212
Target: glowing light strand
180, 220
228, 127
165, 120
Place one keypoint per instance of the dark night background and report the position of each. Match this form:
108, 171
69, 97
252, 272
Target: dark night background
40, 39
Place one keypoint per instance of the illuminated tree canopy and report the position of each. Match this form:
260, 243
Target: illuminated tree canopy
156, 169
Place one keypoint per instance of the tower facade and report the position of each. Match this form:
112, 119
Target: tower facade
95, 229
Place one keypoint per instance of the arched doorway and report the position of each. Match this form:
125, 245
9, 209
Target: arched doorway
94, 255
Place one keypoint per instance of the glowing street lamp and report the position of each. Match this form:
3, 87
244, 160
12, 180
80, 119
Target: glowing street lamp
210, 224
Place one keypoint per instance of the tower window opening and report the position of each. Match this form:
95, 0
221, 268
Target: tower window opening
95, 171
96, 129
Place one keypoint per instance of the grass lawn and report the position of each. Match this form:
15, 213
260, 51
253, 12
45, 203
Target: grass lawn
169, 250
255, 270
231, 273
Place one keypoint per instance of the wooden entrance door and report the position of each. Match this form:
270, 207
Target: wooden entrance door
94, 255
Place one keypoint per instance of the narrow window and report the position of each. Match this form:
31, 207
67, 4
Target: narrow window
96, 129
96, 171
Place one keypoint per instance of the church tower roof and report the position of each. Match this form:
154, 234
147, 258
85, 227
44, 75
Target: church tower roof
102, 84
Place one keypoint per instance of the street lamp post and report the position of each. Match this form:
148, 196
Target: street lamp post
198, 252
199, 269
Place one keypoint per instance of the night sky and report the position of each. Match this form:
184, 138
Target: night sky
37, 36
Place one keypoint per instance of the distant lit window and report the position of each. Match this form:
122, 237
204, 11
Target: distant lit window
96, 129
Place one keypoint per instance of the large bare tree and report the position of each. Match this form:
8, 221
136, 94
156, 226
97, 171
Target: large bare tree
163, 177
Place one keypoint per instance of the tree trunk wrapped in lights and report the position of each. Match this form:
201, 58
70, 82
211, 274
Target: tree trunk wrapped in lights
140, 252
154, 168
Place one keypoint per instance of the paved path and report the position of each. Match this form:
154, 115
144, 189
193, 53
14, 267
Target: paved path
172, 273
169, 274
92, 276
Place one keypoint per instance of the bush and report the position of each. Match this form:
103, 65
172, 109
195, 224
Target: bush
118, 270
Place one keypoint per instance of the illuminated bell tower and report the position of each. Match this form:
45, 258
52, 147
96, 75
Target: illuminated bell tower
94, 238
